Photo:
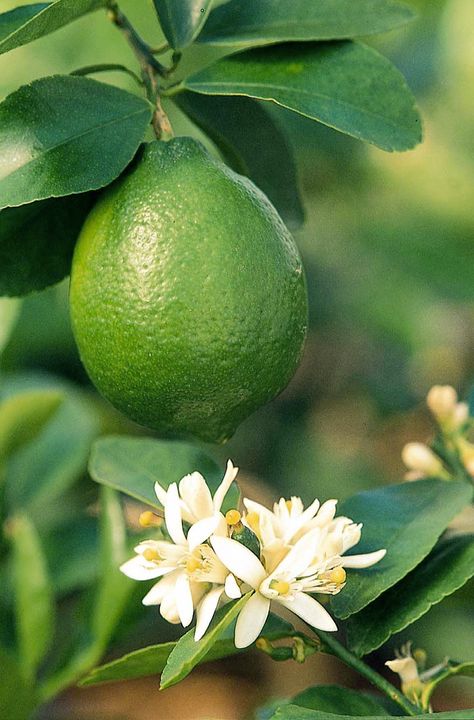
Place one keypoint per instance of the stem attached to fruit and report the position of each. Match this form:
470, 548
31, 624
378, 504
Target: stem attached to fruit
151, 68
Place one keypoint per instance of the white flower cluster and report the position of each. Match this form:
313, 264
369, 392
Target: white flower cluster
207, 560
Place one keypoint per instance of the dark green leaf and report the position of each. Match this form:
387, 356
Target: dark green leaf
182, 21
151, 660
29, 22
65, 135
345, 85
339, 700
17, 698
188, 653
34, 602
407, 519
80, 566
23, 416
294, 712
253, 144
449, 566
41, 471
240, 23
133, 465
37, 242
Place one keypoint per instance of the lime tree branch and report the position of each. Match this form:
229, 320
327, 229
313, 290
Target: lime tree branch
151, 68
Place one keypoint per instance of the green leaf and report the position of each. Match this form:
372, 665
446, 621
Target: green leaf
34, 602
182, 21
245, 24
23, 416
152, 660
339, 700
133, 465
37, 242
295, 712
42, 470
345, 85
9, 311
252, 144
65, 135
453, 669
449, 566
29, 22
407, 519
188, 653
17, 697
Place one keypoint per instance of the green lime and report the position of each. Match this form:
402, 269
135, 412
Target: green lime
188, 297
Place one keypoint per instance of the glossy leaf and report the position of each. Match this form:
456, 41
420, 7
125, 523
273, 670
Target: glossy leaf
407, 519
34, 602
294, 712
449, 566
335, 699
345, 85
17, 697
188, 653
182, 21
151, 660
133, 465
29, 22
252, 144
41, 471
9, 311
244, 24
37, 242
65, 135
23, 416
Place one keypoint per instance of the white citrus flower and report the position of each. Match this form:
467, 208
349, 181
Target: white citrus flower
192, 575
306, 568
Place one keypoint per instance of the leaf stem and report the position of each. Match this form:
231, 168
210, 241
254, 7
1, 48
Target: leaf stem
336, 648
107, 67
150, 67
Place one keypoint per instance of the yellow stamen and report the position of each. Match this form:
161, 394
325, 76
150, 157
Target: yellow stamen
232, 517
150, 554
253, 521
337, 576
289, 505
281, 586
148, 518
193, 564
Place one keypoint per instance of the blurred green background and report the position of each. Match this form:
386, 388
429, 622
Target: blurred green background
388, 247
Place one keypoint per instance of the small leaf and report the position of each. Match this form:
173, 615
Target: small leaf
133, 465
9, 311
245, 24
252, 144
449, 566
335, 699
188, 653
453, 669
345, 85
151, 660
34, 602
23, 416
182, 21
17, 697
423, 510
294, 712
37, 242
65, 135
29, 22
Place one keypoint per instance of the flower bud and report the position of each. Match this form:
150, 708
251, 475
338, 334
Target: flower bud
420, 458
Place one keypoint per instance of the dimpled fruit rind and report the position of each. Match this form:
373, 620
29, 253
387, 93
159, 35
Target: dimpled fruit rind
188, 297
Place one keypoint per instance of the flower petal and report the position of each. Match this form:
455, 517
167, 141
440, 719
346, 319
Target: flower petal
228, 479
174, 523
160, 493
326, 513
138, 569
161, 588
239, 560
251, 620
184, 600
232, 589
363, 561
197, 496
168, 609
205, 611
201, 531
300, 556
309, 610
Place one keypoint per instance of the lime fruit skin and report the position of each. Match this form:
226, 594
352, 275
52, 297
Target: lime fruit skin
188, 297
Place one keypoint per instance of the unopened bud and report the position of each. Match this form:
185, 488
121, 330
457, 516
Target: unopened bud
421, 458
442, 400
466, 451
